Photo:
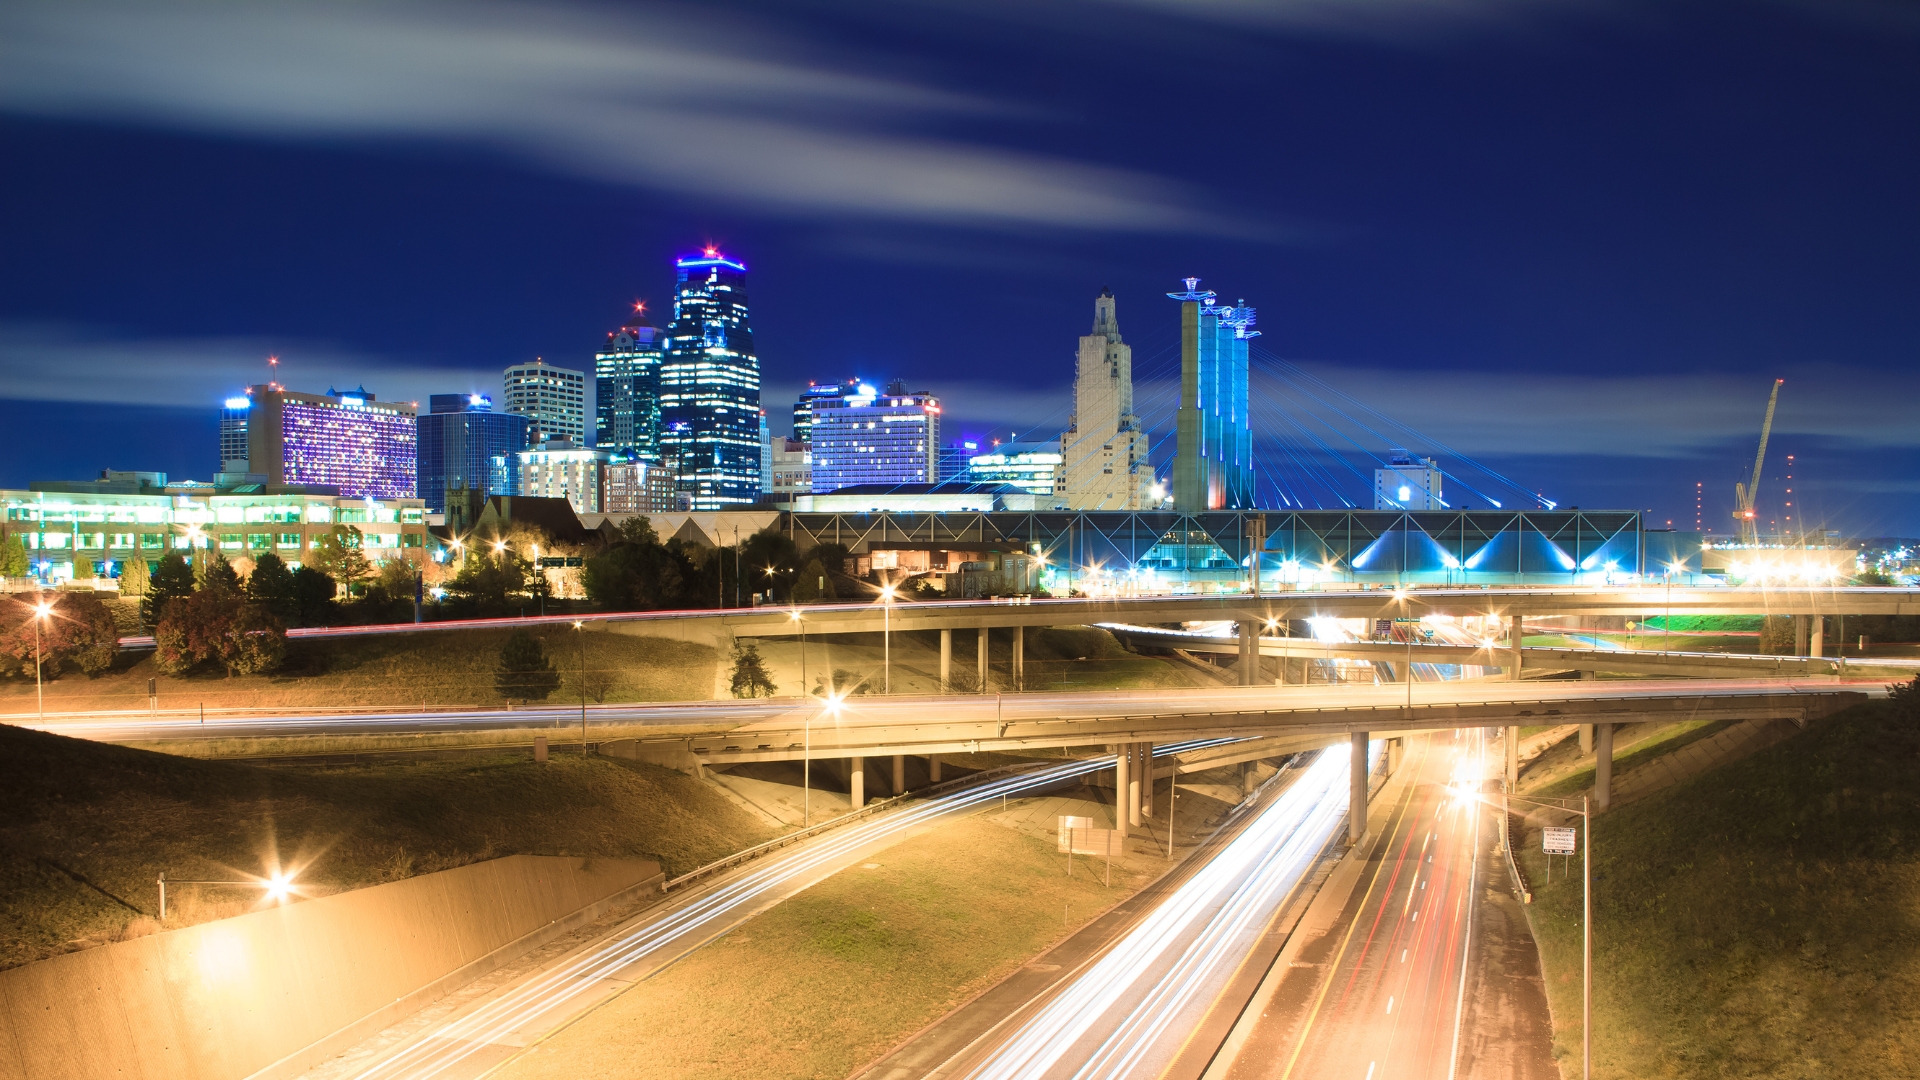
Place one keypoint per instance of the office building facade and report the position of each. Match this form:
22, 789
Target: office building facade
626, 390
875, 438
1104, 451
1033, 467
710, 385
553, 399
344, 439
815, 392
562, 469
465, 444
1407, 483
233, 434
792, 471
1213, 456
640, 487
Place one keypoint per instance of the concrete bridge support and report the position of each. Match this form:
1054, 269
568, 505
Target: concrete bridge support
899, 774
1019, 658
1357, 791
981, 639
1249, 653
946, 660
1122, 780
1133, 784
1515, 633
1396, 751
1513, 757
1146, 781
1586, 740
857, 781
933, 770
1249, 777
1800, 635
1602, 766
1818, 647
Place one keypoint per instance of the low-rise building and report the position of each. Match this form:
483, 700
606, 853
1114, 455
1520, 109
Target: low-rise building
562, 469
640, 487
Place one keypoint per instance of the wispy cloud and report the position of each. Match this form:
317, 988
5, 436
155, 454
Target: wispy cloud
649, 98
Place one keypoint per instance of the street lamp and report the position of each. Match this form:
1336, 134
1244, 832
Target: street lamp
41, 610
579, 631
802, 624
886, 639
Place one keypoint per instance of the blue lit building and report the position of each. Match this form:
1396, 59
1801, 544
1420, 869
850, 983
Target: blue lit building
626, 390
233, 434
1213, 455
710, 386
465, 444
814, 393
865, 437
344, 440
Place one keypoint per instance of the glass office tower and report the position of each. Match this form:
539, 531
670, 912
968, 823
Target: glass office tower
626, 390
866, 437
710, 386
465, 444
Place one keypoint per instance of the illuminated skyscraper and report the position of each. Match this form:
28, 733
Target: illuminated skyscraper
863, 437
233, 434
465, 444
1104, 450
816, 392
626, 390
710, 385
1213, 457
553, 399
344, 440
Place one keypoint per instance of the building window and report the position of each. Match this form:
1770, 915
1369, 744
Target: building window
122, 540
412, 540
259, 541
230, 541
290, 540
320, 515
153, 540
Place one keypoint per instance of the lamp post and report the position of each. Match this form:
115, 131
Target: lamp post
41, 610
802, 624
580, 633
886, 638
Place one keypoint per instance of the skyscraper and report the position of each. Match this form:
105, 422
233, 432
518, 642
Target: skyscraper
465, 444
553, 399
343, 440
233, 434
1213, 457
815, 392
864, 437
626, 390
710, 385
1104, 452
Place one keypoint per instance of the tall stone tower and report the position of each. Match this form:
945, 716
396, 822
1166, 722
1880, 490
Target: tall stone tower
1213, 457
1103, 451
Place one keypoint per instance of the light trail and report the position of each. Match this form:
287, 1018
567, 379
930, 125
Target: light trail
1175, 958
447, 1046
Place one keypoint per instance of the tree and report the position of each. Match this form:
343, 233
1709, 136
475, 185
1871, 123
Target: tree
1905, 698
79, 632
489, 579
524, 673
638, 530
13, 558
312, 592
635, 577
338, 554
750, 676
397, 577
135, 577
271, 583
216, 574
769, 560
82, 566
172, 580
814, 584
843, 682
215, 625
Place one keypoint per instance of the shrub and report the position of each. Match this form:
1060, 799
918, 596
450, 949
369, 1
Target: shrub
78, 632
524, 672
218, 626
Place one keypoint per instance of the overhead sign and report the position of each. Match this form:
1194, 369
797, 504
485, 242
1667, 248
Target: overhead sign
1557, 841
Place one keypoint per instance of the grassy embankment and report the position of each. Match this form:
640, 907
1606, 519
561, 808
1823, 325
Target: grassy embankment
1757, 921
831, 979
86, 828
437, 669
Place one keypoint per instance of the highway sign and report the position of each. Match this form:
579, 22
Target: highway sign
1557, 841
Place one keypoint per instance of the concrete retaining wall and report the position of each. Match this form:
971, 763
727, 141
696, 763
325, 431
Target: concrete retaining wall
672, 757
276, 991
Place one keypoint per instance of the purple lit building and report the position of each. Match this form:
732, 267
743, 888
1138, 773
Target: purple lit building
344, 440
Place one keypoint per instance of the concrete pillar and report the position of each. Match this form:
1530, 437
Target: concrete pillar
1586, 740
1357, 792
899, 774
933, 769
1396, 750
1019, 658
983, 659
1133, 783
1249, 653
1818, 646
1146, 781
1249, 777
946, 660
1513, 758
857, 781
1122, 779
1514, 661
1799, 635
1602, 766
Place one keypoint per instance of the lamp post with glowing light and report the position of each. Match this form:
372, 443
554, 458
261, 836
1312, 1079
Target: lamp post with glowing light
580, 632
802, 624
41, 610
886, 637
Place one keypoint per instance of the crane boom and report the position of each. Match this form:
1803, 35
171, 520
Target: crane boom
1745, 495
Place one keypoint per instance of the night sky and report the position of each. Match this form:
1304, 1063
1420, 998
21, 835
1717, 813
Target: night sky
1567, 246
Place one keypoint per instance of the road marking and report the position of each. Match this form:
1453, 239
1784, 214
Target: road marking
1389, 1005
1403, 956
1370, 1066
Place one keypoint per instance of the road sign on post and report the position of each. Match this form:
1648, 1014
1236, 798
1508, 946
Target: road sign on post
1558, 841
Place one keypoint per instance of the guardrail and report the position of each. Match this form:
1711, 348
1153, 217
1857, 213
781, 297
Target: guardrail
870, 810
1506, 846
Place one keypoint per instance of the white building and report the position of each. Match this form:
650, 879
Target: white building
1407, 483
869, 437
559, 469
792, 470
553, 399
1104, 450
1032, 467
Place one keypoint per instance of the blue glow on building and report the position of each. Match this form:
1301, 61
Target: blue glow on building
710, 386
626, 390
465, 444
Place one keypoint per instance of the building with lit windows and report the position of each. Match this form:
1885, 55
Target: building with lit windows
626, 390
710, 385
128, 515
1407, 483
1104, 451
1213, 451
233, 434
640, 487
553, 399
956, 459
1033, 467
344, 439
465, 444
815, 392
560, 469
865, 437
792, 470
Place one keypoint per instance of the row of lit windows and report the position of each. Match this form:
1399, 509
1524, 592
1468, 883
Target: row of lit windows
57, 541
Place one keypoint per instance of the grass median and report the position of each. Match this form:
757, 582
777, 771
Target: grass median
1756, 921
829, 980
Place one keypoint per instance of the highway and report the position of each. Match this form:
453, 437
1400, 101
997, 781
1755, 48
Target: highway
480, 1037
729, 731
1131, 1013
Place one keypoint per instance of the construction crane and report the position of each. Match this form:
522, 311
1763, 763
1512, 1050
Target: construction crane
1743, 494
